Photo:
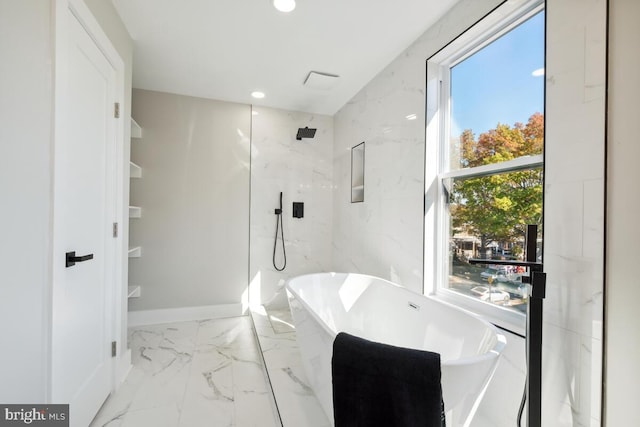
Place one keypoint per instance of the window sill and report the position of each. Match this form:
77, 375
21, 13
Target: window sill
501, 317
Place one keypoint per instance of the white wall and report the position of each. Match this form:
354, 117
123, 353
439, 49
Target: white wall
623, 233
26, 126
194, 194
383, 236
302, 170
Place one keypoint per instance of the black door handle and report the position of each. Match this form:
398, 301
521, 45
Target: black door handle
71, 258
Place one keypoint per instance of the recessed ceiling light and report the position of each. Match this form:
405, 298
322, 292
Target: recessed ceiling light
411, 117
284, 5
257, 94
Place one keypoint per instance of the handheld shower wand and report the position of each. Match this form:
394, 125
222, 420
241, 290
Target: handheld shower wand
280, 226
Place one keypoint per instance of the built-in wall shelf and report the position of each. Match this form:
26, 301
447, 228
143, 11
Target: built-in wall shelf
136, 130
135, 171
135, 212
134, 292
135, 252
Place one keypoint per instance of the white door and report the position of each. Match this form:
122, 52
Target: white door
84, 208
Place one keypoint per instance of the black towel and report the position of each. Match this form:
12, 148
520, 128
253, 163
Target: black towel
381, 385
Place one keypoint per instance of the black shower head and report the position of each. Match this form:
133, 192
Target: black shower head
305, 133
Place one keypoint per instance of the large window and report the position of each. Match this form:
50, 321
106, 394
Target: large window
485, 140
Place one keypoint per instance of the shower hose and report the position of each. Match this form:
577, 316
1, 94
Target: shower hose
279, 225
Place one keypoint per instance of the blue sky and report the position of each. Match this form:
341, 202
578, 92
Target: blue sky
504, 90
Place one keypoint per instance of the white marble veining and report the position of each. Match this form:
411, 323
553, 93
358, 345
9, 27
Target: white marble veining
280, 320
383, 236
302, 170
297, 404
200, 373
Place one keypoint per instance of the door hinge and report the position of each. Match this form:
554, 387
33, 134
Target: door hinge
115, 229
113, 349
116, 110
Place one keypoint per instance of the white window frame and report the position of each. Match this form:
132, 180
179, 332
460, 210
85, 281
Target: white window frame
502, 20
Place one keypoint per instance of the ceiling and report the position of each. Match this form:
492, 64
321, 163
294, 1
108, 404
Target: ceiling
226, 49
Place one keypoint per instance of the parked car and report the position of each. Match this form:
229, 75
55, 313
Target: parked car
499, 273
519, 287
492, 295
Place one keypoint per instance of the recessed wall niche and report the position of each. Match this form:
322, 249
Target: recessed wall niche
357, 173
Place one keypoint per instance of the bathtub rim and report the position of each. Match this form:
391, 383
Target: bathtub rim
492, 353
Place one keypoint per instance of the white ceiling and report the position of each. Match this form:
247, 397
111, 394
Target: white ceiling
225, 49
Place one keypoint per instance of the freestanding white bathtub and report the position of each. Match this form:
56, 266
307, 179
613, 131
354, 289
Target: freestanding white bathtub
324, 304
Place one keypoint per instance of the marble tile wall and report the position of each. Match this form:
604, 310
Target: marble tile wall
302, 170
383, 236
192, 374
574, 211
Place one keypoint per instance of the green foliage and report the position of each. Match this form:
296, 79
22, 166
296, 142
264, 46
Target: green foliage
499, 207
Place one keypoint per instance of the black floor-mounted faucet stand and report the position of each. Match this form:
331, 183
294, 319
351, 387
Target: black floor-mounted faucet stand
536, 292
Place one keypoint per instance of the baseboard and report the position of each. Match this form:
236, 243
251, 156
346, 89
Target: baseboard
123, 366
171, 315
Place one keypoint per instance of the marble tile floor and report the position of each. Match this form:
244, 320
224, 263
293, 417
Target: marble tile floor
191, 374
297, 405
280, 320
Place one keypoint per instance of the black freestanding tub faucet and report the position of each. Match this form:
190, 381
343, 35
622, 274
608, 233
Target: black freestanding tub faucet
536, 292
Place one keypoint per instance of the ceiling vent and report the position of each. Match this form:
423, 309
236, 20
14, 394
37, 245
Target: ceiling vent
320, 81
